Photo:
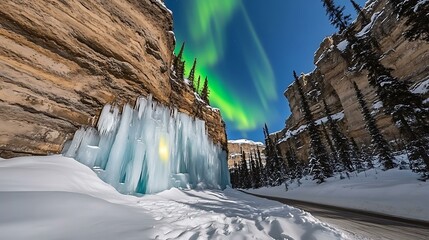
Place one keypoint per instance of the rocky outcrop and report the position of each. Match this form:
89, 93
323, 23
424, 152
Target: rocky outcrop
61, 61
236, 147
332, 80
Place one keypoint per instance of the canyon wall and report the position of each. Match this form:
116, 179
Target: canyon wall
61, 61
236, 147
332, 80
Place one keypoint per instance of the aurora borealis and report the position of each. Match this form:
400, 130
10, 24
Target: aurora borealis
248, 49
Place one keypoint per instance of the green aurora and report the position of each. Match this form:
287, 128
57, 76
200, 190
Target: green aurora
207, 27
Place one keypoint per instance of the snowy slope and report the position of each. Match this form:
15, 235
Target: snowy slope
394, 192
58, 198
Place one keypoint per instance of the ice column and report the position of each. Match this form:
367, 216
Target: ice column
149, 149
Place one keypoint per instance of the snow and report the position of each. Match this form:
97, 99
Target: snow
290, 133
421, 87
393, 192
138, 150
420, 3
342, 46
55, 197
245, 141
370, 25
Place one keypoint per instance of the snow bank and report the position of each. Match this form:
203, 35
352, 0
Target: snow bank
393, 192
59, 198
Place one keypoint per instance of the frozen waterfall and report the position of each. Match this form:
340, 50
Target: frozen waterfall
149, 149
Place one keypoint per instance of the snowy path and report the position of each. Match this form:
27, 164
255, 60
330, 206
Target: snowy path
363, 224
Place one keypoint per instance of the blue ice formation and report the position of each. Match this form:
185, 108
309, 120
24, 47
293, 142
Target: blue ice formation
150, 149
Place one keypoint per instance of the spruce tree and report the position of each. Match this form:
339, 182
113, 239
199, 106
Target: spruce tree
380, 145
336, 15
340, 141
318, 150
333, 151
178, 64
245, 176
355, 155
191, 76
205, 92
406, 108
262, 168
359, 12
197, 90
316, 169
417, 17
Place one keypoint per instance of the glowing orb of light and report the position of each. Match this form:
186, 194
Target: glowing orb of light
163, 149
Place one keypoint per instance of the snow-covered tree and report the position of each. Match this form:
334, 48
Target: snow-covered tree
379, 143
339, 140
316, 169
417, 17
318, 150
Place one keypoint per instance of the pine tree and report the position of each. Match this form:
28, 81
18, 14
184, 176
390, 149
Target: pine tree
406, 108
205, 92
317, 148
245, 176
316, 169
340, 141
191, 76
359, 12
197, 90
262, 168
332, 155
417, 17
336, 15
379, 144
178, 64
273, 165
355, 155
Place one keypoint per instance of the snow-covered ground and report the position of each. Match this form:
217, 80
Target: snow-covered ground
58, 198
393, 192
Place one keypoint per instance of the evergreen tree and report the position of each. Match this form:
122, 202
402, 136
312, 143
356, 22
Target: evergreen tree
192, 75
273, 161
417, 17
198, 85
336, 15
318, 150
406, 108
205, 92
178, 64
316, 169
355, 155
359, 12
379, 144
262, 168
245, 176
332, 154
340, 141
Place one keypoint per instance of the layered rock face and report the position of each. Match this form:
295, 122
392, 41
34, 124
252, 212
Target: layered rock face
61, 61
333, 81
236, 147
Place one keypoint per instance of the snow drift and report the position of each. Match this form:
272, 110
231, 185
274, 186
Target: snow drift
149, 149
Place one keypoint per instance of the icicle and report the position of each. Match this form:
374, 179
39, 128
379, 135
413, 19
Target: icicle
151, 148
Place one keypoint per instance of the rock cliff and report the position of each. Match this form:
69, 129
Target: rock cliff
236, 147
61, 61
332, 80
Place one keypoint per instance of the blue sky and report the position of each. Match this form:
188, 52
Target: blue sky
248, 49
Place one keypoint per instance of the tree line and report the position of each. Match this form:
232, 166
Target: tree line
406, 109
178, 73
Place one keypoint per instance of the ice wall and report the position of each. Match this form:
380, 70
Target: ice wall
149, 149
